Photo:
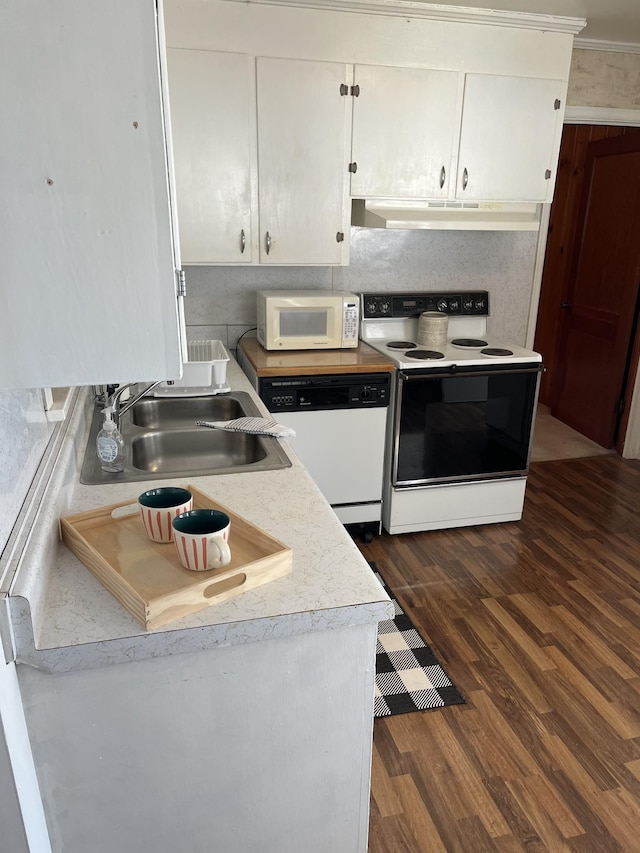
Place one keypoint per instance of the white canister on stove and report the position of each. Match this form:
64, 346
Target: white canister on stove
433, 327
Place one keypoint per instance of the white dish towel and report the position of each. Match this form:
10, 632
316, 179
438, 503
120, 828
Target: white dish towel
254, 426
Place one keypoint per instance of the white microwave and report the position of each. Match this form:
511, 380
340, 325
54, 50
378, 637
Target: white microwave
307, 319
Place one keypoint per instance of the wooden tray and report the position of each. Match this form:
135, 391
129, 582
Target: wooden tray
147, 578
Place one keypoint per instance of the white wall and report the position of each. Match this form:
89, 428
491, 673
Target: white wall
604, 79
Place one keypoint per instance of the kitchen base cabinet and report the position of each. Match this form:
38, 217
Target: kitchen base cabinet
262, 747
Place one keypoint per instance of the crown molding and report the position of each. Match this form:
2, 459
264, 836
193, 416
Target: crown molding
439, 12
602, 115
609, 46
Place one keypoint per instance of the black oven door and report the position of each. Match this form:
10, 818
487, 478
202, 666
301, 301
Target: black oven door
463, 424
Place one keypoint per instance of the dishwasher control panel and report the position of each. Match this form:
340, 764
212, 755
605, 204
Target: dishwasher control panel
326, 391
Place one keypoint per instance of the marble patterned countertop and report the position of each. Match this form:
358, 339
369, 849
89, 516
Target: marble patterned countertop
64, 619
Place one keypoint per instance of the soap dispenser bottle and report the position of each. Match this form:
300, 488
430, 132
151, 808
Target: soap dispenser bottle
110, 445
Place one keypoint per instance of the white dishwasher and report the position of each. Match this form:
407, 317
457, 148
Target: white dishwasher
340, 422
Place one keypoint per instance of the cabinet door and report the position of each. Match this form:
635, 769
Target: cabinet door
211, 130
89, 290
404, 131
509, 138
303, 125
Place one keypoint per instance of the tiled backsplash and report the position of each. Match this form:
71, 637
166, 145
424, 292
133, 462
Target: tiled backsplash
23, 439
220, 301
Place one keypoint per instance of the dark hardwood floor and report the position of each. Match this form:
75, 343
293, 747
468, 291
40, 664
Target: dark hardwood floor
538, 624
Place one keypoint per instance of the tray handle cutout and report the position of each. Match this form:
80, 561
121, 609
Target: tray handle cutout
125, 511
224, 585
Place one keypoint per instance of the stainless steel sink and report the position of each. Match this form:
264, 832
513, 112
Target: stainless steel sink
162, 440
175, 450
180, 412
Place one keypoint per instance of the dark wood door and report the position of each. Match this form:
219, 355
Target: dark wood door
599, 311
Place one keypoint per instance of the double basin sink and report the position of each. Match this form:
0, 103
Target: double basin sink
161, 440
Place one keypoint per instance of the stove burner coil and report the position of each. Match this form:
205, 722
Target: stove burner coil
401, 345
468, 343
425, 354
499, 351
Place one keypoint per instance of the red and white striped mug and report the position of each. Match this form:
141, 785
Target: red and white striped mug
158, 508
202, 539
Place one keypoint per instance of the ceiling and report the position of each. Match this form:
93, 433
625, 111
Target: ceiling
607, 20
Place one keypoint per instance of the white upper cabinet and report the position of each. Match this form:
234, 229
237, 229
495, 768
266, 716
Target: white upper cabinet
303, 155
86, 236
405, 123
212, 129
416, 136
509, 135
439, 106
261, 149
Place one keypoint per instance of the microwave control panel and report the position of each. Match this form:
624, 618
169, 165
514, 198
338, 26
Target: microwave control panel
329, 391
350, 324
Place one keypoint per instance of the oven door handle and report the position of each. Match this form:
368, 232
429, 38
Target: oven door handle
454, 373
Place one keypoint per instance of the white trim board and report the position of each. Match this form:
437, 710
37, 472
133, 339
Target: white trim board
608, 46
602, 115
440, 12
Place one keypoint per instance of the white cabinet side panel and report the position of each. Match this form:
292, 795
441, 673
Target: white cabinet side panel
86, 241
22, 820
260, 747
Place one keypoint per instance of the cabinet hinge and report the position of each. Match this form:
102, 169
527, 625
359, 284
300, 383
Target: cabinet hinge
620, 406
355, 91
353, 168
547, 174
344, 89
556, 104
181, 283
340, 237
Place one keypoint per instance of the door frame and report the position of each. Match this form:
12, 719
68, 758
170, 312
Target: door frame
630, 423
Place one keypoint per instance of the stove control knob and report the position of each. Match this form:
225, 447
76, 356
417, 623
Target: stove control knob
370, 306
442, 305
480, 305
467, 305
384, 307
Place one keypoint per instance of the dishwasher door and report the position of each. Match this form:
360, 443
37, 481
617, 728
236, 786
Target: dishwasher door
343, 450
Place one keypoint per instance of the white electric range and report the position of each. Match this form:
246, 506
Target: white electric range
461, 417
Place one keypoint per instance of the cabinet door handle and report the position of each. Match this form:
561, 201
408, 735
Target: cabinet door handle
267, 242
565, 305
465, 178
443, 176
243, 242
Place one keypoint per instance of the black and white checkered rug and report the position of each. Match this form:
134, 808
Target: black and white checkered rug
408, 674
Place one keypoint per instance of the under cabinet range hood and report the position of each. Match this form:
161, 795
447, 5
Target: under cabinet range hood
445, 215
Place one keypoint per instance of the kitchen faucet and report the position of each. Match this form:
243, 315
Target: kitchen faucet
114, 399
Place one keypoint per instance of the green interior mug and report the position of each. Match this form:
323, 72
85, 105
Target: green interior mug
202, 539
158, 508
